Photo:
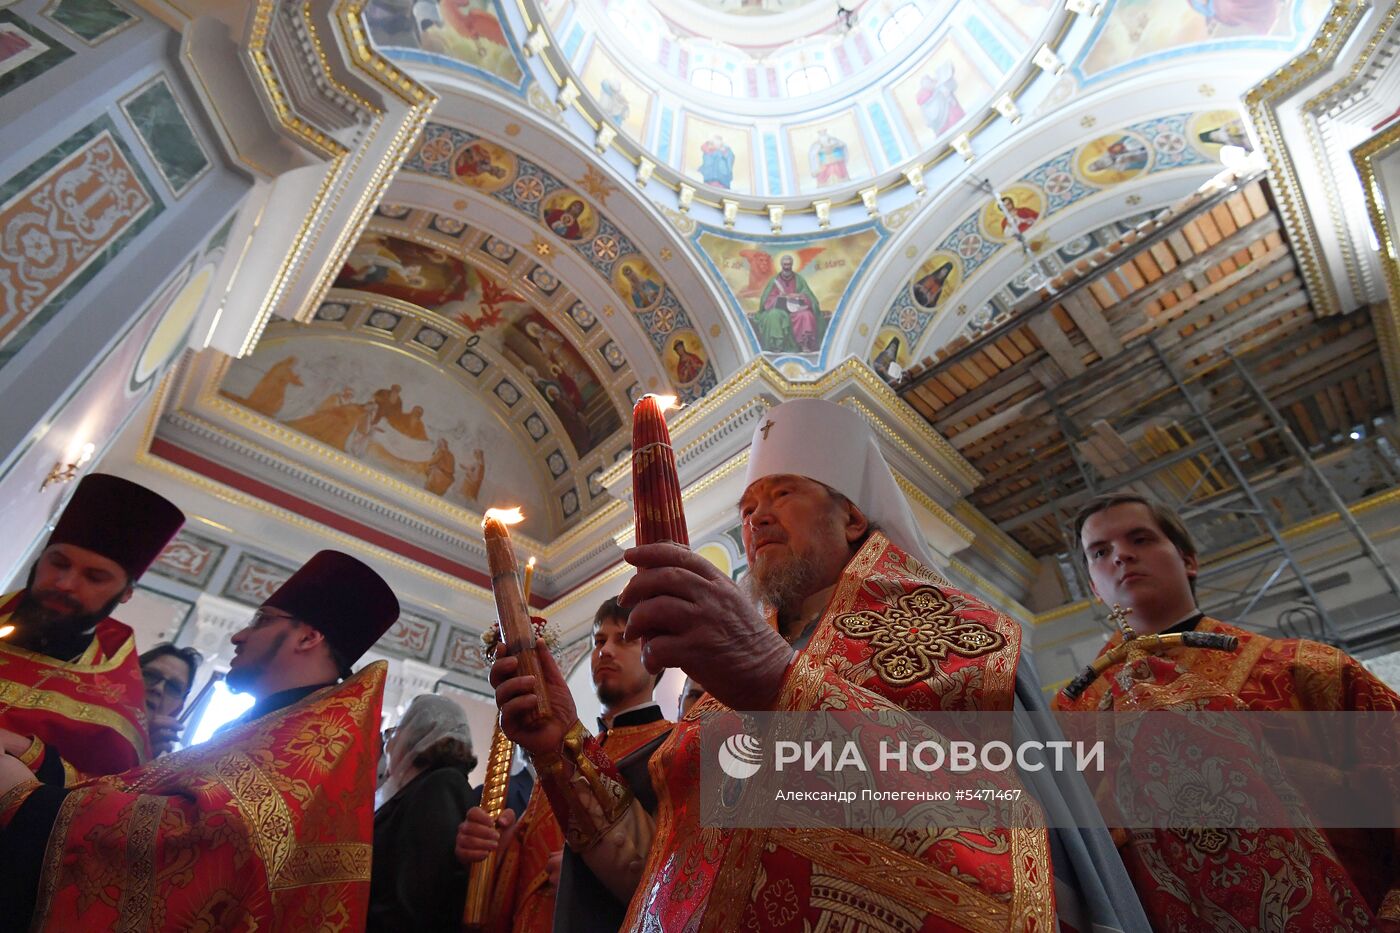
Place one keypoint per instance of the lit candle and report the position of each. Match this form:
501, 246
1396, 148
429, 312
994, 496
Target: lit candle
656, 489
517, 634
529, 578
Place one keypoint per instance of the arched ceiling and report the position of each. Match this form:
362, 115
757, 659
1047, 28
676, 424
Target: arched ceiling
799, 102
534, 267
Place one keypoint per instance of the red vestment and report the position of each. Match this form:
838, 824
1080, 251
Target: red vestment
894, 635
268, 827
93, 709
1335, 872
522, 899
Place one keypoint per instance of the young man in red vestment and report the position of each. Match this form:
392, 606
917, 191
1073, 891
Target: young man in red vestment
536, 872
267, 826
1141, 557
841, 567
71, 695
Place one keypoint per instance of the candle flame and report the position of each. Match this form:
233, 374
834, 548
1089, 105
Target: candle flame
665, 402
6, 631
510, 516
530, 562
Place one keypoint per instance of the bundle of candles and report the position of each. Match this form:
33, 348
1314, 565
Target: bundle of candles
656, 489
516, 636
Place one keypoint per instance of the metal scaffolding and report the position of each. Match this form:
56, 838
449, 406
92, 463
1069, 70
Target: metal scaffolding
1220, 418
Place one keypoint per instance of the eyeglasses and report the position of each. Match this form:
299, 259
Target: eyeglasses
174, 688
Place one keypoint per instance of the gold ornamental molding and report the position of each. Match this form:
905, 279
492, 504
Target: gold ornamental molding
1366, 157
296, 58
1262, 103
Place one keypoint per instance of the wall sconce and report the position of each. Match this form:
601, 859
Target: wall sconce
775, 217
731, 211
63, 472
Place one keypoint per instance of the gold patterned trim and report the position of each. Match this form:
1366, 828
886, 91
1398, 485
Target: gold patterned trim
33, 753
269, 819
138, 889
1366, 157
913, 636
1311, 126
18, 696
10, 800
328, 863
906, 880
52, 872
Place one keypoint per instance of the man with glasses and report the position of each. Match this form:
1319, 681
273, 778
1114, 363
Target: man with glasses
168, 673
268, 826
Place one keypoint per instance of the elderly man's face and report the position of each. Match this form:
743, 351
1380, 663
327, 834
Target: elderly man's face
797, 536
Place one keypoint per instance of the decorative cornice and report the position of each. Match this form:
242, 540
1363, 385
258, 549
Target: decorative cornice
1262, 103
1365, 157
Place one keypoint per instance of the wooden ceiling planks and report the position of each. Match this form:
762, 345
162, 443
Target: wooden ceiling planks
1209, 274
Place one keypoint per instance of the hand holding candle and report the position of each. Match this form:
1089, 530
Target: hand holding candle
517, 633
656, 489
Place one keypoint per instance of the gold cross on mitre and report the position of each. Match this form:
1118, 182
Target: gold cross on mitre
766, 428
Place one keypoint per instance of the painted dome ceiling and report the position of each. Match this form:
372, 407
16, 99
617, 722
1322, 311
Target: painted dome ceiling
782, 100
536, 264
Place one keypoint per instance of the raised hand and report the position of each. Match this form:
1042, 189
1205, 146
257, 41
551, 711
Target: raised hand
694, 617
165, 733
516, 698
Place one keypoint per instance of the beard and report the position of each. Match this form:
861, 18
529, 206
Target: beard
782, 585
612, 693
40, 626
245, 677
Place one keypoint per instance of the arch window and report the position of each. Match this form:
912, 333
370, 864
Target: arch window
806, 80
716, 82
899, 26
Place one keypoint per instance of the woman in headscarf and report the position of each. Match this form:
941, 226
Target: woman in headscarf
416, 882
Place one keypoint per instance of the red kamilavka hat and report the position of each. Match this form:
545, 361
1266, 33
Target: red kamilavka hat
342, 598
121, 520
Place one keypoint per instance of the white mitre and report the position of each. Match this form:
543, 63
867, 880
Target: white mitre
833, 445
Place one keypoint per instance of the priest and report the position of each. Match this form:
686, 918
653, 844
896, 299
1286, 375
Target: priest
268, 826
71, 695
538, 886
1141, 557
840, 567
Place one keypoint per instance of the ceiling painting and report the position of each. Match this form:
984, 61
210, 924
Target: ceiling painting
559, 208
464, 35
1025, 207
791, 291
389, 412
1135, 33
